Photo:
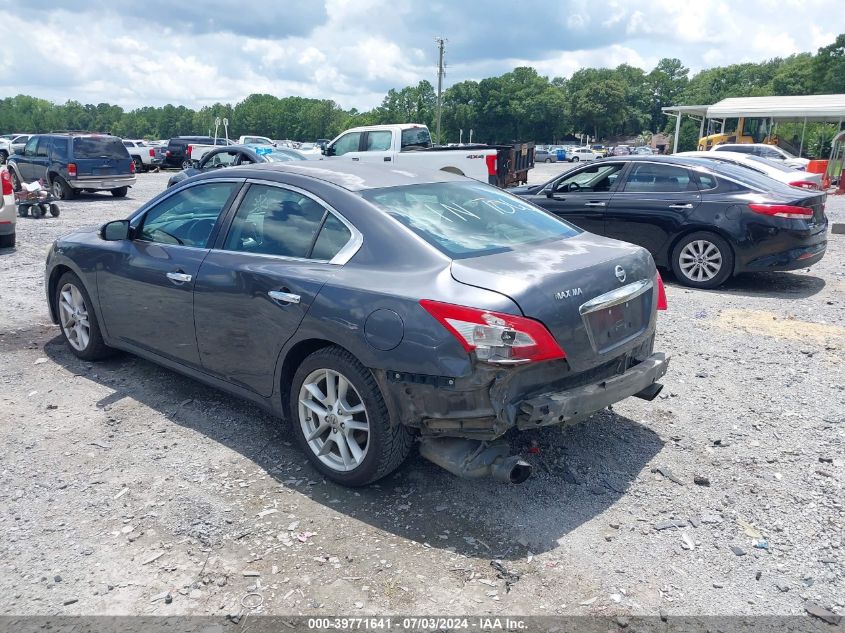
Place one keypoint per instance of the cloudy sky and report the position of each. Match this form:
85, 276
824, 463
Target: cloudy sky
199, 52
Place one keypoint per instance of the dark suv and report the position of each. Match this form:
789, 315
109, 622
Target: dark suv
74, 162
177, 154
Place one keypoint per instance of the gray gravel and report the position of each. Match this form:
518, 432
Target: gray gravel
127, 482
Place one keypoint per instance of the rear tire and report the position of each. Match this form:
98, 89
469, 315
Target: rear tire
548, 160
78, 321
187, 164
120, 192
139, 165
386, 443
7, 241
575, 159
60, 188
16, 181
702, 260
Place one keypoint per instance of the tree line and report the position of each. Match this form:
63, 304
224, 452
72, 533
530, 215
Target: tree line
518, 105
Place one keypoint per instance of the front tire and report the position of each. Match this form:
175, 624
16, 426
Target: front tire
187, 164
575, 159
77, 319
702, 260
341, 421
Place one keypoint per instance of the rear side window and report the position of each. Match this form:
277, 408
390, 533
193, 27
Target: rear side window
416, 137
468, 219
98, 147
653, 178
60, 148
378, 141
333, 236
706, 181
275, 221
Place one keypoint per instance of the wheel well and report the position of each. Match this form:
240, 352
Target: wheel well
55, 275
293, 360
690, 231
453, 170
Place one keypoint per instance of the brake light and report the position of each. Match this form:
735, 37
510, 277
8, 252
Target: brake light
491, 164
804, 184
168, 153
189, 149
132, 166
661, 293
152, 153
782, 211
71, 170
6, 178
496, 337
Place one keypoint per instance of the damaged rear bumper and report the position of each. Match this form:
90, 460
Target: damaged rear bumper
578, 403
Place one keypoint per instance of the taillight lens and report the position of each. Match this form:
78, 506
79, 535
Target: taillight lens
661, 293
6, 179
496, 337
152, 153
132, 166
189, 149
168, 153
804, 184
491, 164
782, 211
71, 170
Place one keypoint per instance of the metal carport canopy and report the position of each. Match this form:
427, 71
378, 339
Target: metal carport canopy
809, 107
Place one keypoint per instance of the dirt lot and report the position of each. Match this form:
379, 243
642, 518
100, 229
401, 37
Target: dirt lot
123, 482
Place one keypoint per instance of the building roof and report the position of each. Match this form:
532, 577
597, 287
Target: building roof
812, 107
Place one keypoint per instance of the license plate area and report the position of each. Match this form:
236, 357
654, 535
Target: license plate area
103, 171
610, 327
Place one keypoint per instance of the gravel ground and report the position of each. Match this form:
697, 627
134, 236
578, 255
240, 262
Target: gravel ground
123, 482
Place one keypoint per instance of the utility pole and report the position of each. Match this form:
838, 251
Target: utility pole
441, 71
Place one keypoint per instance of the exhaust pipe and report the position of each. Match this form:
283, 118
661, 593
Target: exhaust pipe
474, 459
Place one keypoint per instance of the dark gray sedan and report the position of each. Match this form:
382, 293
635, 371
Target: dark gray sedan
370, 307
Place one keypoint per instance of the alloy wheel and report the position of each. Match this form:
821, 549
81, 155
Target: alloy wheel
73, 315
700, 260
334, 420
57, 189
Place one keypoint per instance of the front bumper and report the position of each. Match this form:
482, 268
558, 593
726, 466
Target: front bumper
102, 183
578, 403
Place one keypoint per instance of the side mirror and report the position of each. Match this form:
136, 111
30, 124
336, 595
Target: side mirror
19, 151
328, 150
550, 193
115, 231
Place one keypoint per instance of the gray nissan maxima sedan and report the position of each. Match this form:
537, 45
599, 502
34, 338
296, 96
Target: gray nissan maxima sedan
370, 307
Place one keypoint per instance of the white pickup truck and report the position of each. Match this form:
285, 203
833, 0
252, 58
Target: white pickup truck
408, 146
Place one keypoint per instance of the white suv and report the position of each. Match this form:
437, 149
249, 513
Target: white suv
581, 154
8, 210
772, 152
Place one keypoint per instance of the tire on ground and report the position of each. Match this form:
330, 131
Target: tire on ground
96, 348
727, 260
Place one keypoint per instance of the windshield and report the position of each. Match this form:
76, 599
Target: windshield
468, 219
276, 156
98, 147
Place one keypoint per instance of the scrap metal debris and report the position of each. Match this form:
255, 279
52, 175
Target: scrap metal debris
508, 576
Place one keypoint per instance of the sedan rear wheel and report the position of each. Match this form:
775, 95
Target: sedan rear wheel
341, 420
702, 260
77, 319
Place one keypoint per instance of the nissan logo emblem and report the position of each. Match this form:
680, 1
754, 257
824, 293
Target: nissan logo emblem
620, 274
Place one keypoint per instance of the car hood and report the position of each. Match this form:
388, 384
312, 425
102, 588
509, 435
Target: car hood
551, 283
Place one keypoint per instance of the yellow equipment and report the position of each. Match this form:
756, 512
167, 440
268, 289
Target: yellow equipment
748, 130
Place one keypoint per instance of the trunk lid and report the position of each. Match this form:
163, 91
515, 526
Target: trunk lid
556, 283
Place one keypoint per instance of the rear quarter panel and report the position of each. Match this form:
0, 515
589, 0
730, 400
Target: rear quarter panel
471, 163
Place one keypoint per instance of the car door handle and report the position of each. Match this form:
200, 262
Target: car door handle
595, 204
387, 159
179, 278
355, 158
284, 297
680, 206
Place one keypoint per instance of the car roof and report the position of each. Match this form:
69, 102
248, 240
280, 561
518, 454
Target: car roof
345, 174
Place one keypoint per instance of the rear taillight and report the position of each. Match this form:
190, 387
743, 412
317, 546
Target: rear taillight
168, 153
804, 184
71, 170
496, 337
6, 179
661, 293
152, 153
782, 211
132, 166
188, 150
491, 165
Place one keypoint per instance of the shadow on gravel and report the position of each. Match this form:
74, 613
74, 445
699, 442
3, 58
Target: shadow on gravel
578, 473
782, 285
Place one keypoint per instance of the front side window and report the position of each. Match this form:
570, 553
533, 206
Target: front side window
468, 219
652, 178
379, 141
347, 143
597, 178
29, 148
275, 221
43, 149
187, 218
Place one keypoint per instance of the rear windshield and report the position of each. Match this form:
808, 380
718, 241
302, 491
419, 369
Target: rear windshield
416, 137
99, 147
468, 219
770, 163
751, 178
